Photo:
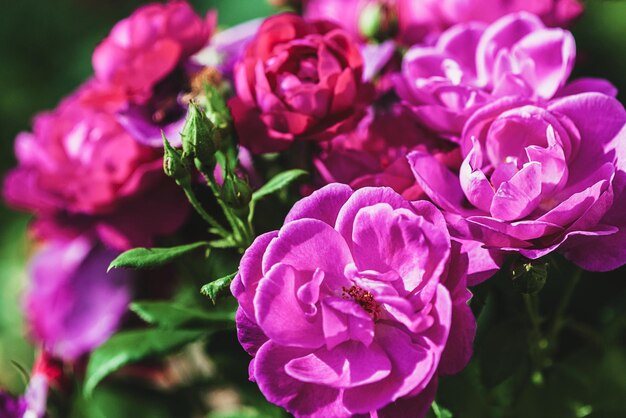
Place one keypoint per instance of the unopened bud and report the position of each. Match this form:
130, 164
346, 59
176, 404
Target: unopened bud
236, 192
378, 21
285, 3
197, 137
173, 164
217, 110
529, 276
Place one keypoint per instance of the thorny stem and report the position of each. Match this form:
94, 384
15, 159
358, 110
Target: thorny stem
542, 346
537, 343
559, 319
203, 213
243, 234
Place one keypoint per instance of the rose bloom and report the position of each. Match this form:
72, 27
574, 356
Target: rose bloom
355, 306
144, 68
473, 64
297, 80
79, 171
374, 153
416, 21
539, 177
73, 305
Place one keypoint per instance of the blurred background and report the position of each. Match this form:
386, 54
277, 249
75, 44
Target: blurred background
45, 52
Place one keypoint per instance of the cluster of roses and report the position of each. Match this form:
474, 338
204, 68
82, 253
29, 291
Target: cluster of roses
91, 172
457, 140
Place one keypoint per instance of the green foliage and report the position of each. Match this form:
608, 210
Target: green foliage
144, 258
441, 412
131, 346
215, 288
171, 315
276, 183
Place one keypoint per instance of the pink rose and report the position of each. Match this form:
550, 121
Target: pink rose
539, 177
412, 21
297, 80
355, 306
418, 19
79, 171
145, 62
473, 64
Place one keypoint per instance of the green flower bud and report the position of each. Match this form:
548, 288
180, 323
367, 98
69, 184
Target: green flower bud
197, 136
236, 192
217, 110
378, 21
529, 276
173, 164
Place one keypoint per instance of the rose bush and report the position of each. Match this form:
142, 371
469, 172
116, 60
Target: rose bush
297, 80
540, 176
354, 306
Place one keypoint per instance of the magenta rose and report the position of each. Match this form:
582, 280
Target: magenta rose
355, 306
374, 153
539, 177
297, 80
412, 21
73, 305
419, 19
473, 64
144, 66
79, 171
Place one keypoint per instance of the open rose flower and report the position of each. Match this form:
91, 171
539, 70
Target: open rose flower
297, 80
538, 177
419, 19
414, 21
355, 306
472, 64
144, 67
374, 153
80, 171
73, 305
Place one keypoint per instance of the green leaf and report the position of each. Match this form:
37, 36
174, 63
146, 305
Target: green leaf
171, 315
141, 258
278, 182
223, 243
440, 411
275, 184
131, 346
213, 289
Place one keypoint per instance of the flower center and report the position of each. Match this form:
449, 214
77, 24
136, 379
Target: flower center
164, 108
364, 298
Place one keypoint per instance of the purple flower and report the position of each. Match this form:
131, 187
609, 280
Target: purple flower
473, 64
11, 407
79, 171
414, 21
73, 304
354, 306
538, 177
144, 64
